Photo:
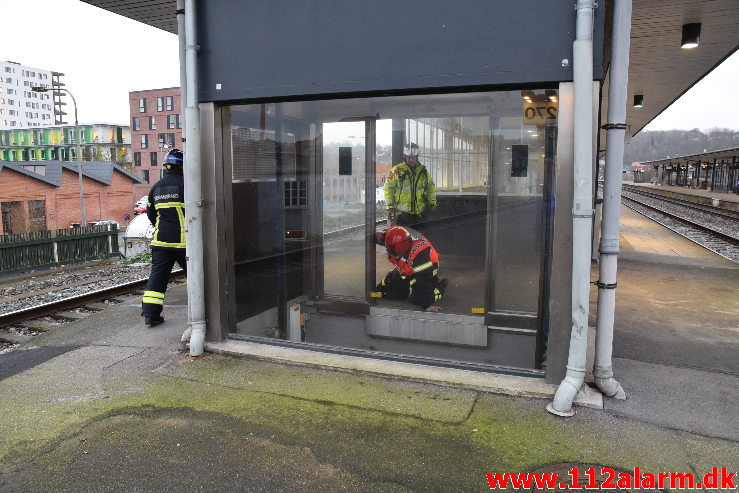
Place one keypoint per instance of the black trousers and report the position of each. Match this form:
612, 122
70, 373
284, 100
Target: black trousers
422, 292
162, 261
406, 219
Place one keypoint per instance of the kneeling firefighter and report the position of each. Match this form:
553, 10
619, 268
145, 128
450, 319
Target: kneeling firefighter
416, 273
166, 211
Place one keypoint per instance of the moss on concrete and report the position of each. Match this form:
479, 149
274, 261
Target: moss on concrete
323, 440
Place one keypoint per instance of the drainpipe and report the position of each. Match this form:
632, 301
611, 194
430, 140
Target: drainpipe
181, 51
185, 339
193, 190
609, 244
582, 210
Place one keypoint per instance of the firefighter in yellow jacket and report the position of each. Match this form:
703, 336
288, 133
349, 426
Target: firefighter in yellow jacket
409, 190
166, 211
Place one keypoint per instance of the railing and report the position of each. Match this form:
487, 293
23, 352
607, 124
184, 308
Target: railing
42, 249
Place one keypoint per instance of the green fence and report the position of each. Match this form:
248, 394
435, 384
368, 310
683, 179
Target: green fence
30, 251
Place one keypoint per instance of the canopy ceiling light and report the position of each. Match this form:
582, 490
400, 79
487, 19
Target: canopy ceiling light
691, 35
638, 101
551, 95
528, 96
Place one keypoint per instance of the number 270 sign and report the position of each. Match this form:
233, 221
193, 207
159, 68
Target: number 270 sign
539, 113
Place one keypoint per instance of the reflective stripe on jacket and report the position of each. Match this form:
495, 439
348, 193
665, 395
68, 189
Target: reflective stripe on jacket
166, 211
409, 189
421, 256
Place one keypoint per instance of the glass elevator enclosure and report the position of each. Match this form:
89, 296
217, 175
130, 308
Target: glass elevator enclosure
307, 197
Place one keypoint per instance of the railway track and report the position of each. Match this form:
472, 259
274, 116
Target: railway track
29, 305
38, 299
714, 211
36, 295
710, 227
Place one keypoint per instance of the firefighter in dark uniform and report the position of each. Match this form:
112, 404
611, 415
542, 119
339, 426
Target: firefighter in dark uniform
166, 211
416, 273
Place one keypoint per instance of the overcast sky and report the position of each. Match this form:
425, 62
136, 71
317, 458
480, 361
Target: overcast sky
102, 57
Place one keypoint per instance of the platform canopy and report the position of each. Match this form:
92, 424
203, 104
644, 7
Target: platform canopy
660, 70
729, 156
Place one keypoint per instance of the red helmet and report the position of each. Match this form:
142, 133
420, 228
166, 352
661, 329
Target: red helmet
397, 241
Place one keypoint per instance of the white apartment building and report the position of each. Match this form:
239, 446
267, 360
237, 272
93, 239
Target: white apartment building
20, 107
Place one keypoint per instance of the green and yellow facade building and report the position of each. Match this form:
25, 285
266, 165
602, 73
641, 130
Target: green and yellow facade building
98, 142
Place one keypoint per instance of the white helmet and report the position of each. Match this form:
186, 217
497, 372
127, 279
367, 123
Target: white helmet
411, 149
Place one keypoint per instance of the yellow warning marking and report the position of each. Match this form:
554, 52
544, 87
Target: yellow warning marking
375, 294
478, 310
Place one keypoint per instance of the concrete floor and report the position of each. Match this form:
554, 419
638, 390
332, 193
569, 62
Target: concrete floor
676, 334
112, 406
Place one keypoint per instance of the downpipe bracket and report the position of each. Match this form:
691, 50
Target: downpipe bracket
609, 246
587, 213
603, 285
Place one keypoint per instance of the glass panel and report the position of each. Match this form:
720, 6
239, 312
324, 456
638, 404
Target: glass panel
524, 137
452, 208
270, 228
300, 206
343, 208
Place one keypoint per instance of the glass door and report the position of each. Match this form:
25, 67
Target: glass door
522, 165
344, 209
273, 157
450, 179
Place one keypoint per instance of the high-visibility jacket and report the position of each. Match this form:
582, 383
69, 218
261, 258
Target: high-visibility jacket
422, 257
409, 189
166, 211
416, 276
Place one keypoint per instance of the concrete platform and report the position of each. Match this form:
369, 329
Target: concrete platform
719, 199
644, 240
465, 379
104, 404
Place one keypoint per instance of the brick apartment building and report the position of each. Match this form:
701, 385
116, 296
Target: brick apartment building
156, 127
44, 195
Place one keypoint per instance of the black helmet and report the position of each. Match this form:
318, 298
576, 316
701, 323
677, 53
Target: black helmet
173, 159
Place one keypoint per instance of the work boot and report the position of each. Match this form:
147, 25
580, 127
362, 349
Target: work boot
441, 285
152, 321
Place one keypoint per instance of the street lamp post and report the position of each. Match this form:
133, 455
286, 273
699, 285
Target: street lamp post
163, 146
78, 137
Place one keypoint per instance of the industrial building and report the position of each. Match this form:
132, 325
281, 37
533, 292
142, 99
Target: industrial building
45, 195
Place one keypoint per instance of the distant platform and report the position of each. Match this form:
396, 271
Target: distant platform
644, 240
719, 199
727, 196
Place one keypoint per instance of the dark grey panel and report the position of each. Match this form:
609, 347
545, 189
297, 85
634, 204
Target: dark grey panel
504, 349
560, 288
445, 328
216, 215
263, 48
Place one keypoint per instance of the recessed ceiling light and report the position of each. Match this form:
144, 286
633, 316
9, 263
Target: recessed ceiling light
691, 35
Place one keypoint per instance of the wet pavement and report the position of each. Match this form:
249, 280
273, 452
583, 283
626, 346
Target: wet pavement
105, 404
